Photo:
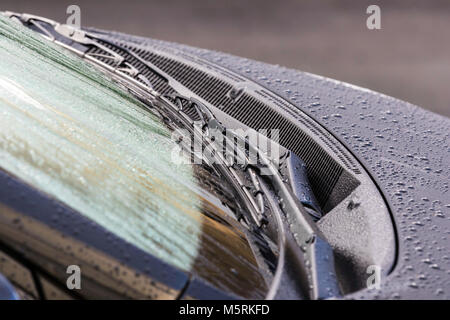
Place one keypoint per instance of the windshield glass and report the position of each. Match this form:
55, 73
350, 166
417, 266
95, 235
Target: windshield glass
69, 131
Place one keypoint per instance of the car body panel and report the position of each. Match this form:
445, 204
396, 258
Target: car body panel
404, 148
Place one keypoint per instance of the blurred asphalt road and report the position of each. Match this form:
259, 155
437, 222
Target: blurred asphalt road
409, 58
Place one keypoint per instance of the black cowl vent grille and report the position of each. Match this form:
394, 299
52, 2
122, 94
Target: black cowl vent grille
324, 172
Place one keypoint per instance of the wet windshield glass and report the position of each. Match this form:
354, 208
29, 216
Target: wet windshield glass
69, 131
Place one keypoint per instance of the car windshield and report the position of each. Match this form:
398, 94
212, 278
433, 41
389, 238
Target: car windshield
69, 131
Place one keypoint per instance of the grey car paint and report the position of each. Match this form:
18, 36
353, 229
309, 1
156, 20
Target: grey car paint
404, 148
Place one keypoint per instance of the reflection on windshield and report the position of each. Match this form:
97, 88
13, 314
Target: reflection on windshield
70, 134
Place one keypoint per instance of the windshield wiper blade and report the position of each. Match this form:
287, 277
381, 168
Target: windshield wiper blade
317, 253
294, 222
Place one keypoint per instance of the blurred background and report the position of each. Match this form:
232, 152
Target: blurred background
409, 58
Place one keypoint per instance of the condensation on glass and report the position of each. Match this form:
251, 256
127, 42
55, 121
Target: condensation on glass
70, 132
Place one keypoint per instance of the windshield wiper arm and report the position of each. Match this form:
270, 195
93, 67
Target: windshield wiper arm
316, 252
